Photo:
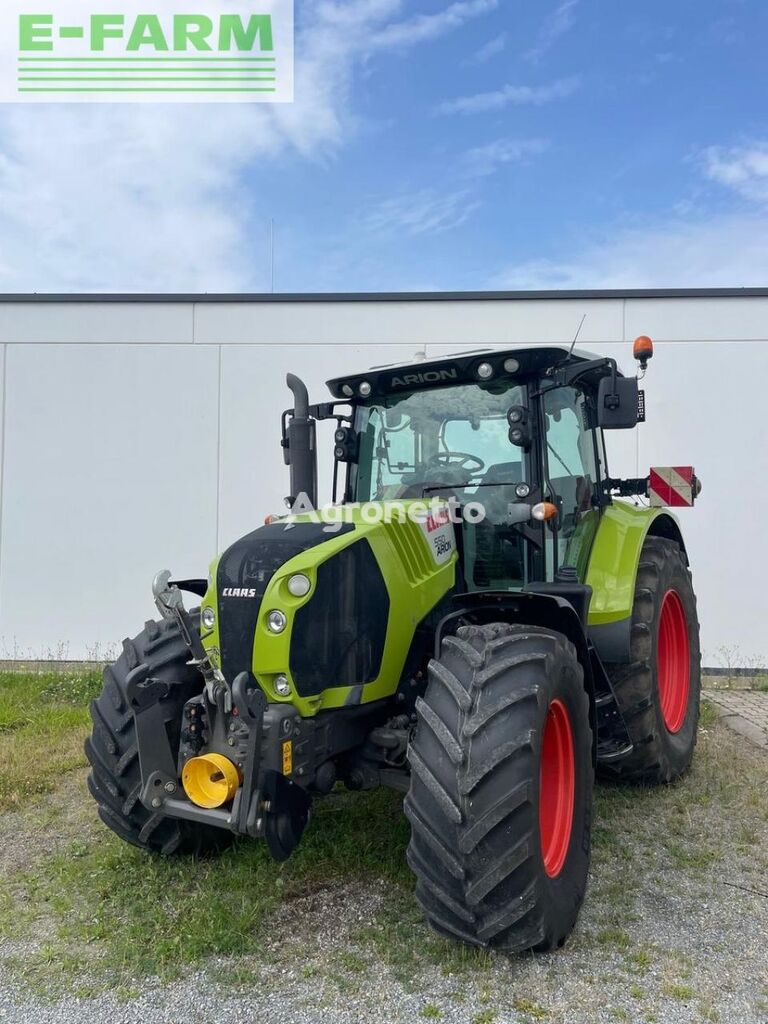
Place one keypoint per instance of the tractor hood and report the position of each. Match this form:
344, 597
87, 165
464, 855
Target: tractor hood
345, 640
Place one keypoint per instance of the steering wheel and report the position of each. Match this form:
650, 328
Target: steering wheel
462, 460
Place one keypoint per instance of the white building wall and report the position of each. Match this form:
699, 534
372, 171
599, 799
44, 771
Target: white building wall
140, 435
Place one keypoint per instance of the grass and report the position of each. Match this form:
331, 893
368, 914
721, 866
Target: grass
676, 990
106, 915
640, 960
529, 1008
616, 937
151, 916
43, 722
708, 715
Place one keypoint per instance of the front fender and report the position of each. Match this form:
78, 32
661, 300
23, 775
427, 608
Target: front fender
526, 608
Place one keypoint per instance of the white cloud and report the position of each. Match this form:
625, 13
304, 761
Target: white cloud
99, 197
556, 25
484, 160
742, 169
512, 95
359, 14
162, 198
728, 251
429, 26
491, 49
421, 213
428, 212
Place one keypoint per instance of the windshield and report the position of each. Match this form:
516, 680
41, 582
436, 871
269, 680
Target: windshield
420, 443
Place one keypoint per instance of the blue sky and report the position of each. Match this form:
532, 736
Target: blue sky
432, 144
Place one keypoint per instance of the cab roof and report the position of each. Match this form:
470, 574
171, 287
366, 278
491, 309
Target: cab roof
461, 368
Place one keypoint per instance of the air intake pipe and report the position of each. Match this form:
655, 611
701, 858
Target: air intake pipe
301, 450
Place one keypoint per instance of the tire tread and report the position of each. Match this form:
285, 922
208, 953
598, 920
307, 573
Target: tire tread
471, 806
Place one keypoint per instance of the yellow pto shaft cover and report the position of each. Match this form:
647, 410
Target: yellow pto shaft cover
210, 780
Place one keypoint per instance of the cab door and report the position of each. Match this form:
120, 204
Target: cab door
571, 478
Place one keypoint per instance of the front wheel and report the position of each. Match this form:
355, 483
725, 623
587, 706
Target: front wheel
500, 800
115, 777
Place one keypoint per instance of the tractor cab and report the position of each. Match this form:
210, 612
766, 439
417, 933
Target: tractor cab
512, 439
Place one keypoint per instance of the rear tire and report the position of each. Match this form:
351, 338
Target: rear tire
504, 722
658, 692
115, 777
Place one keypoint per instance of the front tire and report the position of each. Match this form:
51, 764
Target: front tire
115, 777
500, 801
659, 691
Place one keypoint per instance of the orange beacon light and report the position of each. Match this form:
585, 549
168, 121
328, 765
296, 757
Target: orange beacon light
642, 350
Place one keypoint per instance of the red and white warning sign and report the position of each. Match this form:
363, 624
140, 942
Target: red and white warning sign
672, 485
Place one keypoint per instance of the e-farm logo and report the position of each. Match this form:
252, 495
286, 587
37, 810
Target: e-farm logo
87, 50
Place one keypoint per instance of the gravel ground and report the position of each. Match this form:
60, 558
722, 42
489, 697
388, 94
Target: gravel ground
669, 935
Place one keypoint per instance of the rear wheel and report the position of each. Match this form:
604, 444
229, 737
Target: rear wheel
658, 692
500, 798
115, 778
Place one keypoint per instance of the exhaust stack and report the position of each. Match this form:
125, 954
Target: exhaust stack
301, 449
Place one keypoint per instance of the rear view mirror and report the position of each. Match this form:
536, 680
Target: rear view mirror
618, 403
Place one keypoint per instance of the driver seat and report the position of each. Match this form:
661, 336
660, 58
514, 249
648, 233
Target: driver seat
498, 548
446, 477
503, 473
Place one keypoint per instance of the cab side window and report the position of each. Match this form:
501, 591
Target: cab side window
573, 475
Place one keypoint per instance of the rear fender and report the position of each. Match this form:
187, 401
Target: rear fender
612, 572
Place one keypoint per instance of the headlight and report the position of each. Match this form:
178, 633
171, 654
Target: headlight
299, 585
276, 621
208, 617
282, 686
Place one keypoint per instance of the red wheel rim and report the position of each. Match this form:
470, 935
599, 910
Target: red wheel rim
673, 661
557, 786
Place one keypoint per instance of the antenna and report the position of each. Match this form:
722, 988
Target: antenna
576, 336
271, 254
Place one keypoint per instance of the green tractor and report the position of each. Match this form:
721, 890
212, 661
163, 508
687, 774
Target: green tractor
481, 618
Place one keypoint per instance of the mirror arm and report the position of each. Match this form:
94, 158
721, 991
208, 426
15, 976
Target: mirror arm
612, 400
327, 411
570, 374
564, 376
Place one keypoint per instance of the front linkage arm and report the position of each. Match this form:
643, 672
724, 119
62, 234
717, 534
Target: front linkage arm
266, 804
170, 604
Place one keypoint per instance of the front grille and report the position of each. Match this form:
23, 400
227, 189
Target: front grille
249, 564
339, 635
